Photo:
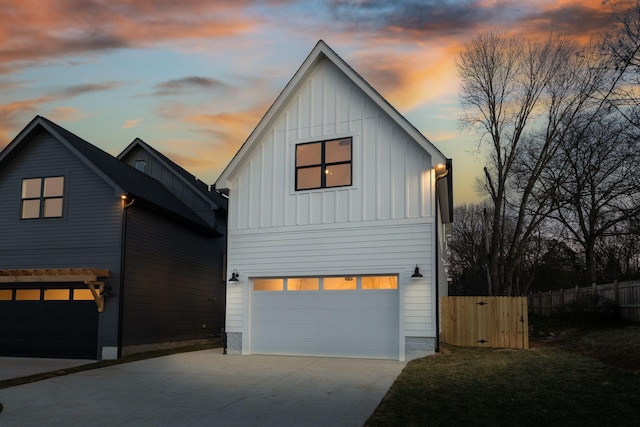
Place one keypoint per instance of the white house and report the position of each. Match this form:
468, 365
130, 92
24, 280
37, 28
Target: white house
334, 200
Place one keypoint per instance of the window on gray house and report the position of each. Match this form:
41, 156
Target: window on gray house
42, 197
140, 165
323, 164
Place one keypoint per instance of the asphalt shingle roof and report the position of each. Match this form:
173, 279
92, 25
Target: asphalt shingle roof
133, 182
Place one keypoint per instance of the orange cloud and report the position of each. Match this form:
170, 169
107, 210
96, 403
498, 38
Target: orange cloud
410, 57
66, 114
14, 114
228, 130
224, 133
63, 27
128, 124
412, 77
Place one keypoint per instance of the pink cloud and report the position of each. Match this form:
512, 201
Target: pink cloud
12, 113
68, 27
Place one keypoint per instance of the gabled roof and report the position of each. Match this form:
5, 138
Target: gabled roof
323, 51
201, 188
123, 178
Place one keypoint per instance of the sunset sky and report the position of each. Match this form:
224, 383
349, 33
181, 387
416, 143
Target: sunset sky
193, 77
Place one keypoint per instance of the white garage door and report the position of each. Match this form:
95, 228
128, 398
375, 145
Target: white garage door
330, 316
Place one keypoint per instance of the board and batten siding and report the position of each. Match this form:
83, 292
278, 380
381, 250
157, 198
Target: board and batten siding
391, 172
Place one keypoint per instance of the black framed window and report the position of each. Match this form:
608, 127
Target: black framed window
324, 164
42, 197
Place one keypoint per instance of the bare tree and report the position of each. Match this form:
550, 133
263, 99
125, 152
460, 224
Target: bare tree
596, 180
523, 95
466, 251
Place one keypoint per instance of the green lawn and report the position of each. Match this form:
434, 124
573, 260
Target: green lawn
586, 377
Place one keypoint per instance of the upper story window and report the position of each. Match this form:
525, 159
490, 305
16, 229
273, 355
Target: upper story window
323, 164
42, 197
141, 165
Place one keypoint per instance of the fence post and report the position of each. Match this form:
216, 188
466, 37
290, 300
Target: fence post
616, 298
540, 308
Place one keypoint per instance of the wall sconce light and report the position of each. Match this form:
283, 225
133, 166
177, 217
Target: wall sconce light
234, 276
441, 170
416, 274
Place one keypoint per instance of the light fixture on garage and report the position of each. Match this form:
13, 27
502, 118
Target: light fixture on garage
234, 276
416, 274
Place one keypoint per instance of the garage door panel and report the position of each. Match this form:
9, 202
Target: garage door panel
287, 346
335, 316
362, 323
339, 299
331, 331
49, 328
293, 316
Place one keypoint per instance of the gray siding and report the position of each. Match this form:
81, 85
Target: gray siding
88, 234
155, 169
173, 281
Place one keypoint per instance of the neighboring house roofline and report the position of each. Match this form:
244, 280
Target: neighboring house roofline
319, 52
124, 179
200, 187
40, 122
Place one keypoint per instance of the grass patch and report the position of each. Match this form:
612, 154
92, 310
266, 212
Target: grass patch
582, 376
104, 363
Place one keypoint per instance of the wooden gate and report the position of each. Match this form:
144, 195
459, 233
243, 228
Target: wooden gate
496, 322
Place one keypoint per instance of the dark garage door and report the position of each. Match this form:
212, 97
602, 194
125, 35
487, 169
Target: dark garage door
49, 329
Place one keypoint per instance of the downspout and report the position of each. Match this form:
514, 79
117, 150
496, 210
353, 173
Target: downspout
123, 246
437, 259
437, 274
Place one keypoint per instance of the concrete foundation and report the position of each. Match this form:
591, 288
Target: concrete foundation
234, 342
109, 353
417, 347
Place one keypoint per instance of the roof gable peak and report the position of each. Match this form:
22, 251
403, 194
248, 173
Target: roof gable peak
320, 52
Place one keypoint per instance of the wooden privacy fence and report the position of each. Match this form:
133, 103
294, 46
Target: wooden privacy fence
622, 299
496, 322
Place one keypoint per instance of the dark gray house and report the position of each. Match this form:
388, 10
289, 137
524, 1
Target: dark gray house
102, 256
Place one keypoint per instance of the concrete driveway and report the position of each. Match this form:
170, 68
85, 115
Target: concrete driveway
207, 388
17, 367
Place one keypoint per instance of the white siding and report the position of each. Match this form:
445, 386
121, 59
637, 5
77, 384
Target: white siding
382, 224
388, 166
385, 247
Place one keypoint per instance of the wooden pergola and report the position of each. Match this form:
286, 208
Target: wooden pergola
88, 276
